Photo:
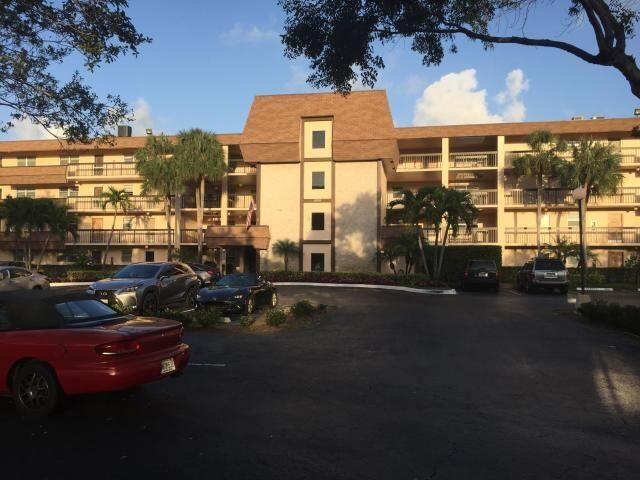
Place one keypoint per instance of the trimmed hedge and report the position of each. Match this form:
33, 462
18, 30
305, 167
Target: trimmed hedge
413, 280
623, 317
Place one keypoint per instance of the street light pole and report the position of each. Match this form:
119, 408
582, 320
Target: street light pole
579, 194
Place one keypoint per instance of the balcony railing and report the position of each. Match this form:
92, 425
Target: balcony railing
239, 201
137, 203
595, 236
130, 237
420, 161
629, 156
210, 201
477, 236
473, 159
239, 167
102, 170
479, 197
563, 197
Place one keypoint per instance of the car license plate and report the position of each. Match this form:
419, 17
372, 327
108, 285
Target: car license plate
483, 274
550, 275
168, 366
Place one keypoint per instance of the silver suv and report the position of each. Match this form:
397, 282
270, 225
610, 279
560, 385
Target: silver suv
547, 273
146, 287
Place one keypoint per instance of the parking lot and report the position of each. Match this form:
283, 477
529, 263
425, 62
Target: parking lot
387, 385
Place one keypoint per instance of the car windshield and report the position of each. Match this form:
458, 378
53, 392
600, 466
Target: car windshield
138, 271
237, 281
554, 265
80, 311
487, 264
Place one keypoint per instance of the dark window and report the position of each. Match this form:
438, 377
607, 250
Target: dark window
138, 271
4, 274
528, 267
317, 221
96, 257
5, 324
149, 256
486, 264
126, 256
173, 271
317, 180
20, 272
79, 311
554, 265
317, 262
317, 139
238, 280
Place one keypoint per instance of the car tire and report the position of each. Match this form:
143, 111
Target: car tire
249, 305
274, 299
150, 304
35, 390
190, 297
37, 287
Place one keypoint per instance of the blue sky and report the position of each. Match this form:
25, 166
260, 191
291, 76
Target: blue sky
208, 59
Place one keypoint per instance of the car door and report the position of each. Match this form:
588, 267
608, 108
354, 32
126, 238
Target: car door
170, 285
185, 280
262, 290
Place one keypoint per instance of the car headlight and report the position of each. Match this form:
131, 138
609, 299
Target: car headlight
238, 296
130, 289
91, 290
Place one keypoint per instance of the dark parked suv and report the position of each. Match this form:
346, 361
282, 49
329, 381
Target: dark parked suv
547, 273
146, 287
481, 273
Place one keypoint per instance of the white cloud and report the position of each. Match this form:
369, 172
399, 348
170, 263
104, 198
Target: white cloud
240, 33
455, 99
142, 118
27, 130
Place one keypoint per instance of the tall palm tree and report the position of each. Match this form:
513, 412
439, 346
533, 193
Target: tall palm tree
120, 201
596, 168
23, 216
458, 209
284, 248
161, 176
201, 158
416, 212
59, 222
543, 163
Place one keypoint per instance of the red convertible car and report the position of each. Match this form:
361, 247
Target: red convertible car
53, 345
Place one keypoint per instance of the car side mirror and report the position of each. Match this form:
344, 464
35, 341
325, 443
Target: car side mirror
163, 277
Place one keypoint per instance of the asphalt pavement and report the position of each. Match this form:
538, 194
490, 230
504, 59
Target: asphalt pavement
388, 385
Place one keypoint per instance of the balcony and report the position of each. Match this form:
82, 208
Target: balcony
477, 236
137, 203
595, 236
420, 161
563, 198
239, 202
130, 237
480, 198
211, 202
238, 167
92, 170
630, 157
471, 160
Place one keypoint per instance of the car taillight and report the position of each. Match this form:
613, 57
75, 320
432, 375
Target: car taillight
118, 348
211, 272
466, 274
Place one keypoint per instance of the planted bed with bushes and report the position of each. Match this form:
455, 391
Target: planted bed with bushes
623, 317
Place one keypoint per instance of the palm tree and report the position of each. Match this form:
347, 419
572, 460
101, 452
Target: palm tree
596, 168
458, 209
201, 158
118, 200
58, 222
416, 212
543, 163
563, 249
389, 255
285, 248
23, 216
162, 176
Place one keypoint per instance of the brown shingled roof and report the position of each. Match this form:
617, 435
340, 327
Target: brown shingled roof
362, 125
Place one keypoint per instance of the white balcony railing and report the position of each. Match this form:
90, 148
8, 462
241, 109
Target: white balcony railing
420, 161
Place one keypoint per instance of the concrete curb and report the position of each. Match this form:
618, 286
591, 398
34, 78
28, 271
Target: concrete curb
442, 291
70, 284
596, 289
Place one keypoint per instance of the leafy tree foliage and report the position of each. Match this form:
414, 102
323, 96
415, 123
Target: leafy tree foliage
339, 36
38, 34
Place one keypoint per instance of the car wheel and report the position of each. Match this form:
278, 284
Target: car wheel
149, 304
190, 297
35, 390
274, 299
249, 305
37, 287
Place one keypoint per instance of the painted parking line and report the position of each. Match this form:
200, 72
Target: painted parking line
191, 364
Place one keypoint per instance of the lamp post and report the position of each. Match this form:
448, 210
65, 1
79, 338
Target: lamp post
579, 194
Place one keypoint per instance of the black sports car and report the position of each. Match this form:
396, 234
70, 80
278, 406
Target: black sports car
238, 293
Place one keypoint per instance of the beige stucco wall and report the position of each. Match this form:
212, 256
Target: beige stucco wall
356, 192
279, 205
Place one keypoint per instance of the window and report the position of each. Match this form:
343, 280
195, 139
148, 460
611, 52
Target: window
96, 257
317, 180
19, 273
128, 189
5, 324
25, 192
149, 256
26, 161
65, 192
126, 256
615, 260
127, 223
79, 311
4, 274
317, 262
317, 221
128, 159
574, 220
138, 270
318, 139
69, 160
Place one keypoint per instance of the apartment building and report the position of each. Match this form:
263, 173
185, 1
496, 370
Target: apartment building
320, 170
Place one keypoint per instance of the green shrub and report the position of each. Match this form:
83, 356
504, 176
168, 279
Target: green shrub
87, 275
625, 317
275, 317
183, 317
302, 308
246, 320
207, 317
